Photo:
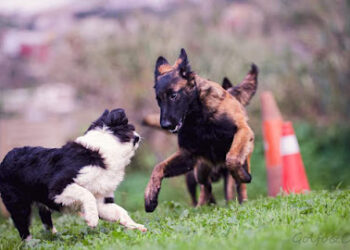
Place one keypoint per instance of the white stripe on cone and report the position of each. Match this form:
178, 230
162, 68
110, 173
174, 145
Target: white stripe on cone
289, 145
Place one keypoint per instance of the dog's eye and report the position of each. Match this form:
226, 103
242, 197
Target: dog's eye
172, 96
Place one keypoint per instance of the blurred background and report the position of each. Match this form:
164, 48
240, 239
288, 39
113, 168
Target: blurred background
63, 62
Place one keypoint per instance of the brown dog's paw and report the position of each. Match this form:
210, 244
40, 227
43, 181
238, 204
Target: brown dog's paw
239, 170
243, 175
150, 204
151, 197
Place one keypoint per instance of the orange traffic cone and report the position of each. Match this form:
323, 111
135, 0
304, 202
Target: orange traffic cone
272, 124
294, 178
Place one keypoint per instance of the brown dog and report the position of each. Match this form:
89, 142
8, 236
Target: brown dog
211, 125
243, 93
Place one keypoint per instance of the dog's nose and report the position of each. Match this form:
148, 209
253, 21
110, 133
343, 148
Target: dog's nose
166, 124
136, 139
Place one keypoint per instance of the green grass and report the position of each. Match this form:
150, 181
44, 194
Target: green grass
319, 220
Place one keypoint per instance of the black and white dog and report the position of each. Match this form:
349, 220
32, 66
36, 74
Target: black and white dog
83, 173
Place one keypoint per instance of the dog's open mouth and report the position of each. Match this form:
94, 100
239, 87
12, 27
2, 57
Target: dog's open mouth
177, 128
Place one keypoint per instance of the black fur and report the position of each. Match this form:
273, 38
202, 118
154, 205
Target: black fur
37, 174
184, 67
45, 216
206, 137
226, 83
117, 122
109, 200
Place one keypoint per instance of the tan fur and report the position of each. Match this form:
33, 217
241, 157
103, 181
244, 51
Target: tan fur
230, 187
152, 120
177, 63
164, 68
220, 102
158, 174
246, 89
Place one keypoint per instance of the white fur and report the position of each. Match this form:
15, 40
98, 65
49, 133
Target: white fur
113, 212
74, 194
116, 155
29, 237
95, 182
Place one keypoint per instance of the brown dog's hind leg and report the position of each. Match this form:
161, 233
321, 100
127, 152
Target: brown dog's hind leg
241, 188
206, 195
241, 192
191, 184
202, 174
229, 186
179, 163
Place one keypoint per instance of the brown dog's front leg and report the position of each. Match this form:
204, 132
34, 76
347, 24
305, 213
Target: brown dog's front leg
179, 163
242, 146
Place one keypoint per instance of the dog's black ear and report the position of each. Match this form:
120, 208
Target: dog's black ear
161, 61
226, 83
183, 65
102, 117
116, 117
105, 113
99, 122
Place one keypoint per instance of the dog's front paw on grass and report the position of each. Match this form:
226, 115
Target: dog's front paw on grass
150, 205
92, 221
139, 227
151, 197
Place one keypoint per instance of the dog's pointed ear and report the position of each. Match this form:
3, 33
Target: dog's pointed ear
245, 91
161, 66
183, 65
226, 83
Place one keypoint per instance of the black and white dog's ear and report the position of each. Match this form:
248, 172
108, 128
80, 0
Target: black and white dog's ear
99, 122
161, 64
226, 83
116, 117
183, 65
104, 114
101, 118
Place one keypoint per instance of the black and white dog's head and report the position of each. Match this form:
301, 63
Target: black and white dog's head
112, 136
117, 123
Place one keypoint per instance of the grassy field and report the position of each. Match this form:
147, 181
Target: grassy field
319, 220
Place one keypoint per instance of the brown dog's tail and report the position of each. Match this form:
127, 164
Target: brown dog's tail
151, 120
244, 91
